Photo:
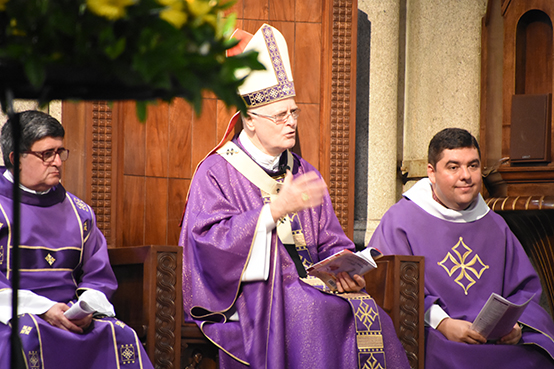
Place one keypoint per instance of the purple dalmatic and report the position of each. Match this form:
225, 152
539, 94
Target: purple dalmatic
468, 255
283, 322
62, 254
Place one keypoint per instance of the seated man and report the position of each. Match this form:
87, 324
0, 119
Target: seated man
257, 214
63, 260
469, 253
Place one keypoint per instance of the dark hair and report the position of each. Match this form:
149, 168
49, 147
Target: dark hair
35, 125
449, 139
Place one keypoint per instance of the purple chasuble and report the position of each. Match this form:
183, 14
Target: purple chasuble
465, 261
284, 323
62, 253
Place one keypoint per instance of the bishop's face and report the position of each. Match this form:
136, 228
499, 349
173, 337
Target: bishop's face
456, 177
269, 136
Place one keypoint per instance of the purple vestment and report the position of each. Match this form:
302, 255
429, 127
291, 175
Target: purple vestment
284, 323
465, 261
62, 252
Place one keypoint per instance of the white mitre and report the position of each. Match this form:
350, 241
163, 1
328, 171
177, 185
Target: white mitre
263, 87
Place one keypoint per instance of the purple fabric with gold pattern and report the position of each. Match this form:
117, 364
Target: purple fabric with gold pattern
464, 264
284, 322
62, 251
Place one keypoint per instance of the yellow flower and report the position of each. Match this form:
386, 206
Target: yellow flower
199, 7
173, 13
3, 4
15, 31
110, 9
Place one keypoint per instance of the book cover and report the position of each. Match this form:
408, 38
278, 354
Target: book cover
497, 317
344, 261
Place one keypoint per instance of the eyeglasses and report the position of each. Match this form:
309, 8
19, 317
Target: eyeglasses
48, 156
281, 117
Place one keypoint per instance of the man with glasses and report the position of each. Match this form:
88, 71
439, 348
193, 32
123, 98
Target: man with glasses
257, 217
65, 317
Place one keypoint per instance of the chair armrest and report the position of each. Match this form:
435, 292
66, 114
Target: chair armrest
397, 285
149, 298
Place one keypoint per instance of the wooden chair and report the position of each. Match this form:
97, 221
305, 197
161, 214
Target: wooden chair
531, 218
149, 300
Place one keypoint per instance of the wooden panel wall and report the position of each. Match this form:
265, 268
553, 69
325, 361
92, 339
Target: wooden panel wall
517, 59
146, 168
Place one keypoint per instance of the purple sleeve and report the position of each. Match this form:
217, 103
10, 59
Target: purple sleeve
96, 270
217, 234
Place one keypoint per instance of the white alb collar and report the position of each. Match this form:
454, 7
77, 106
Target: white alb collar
422, 195
9, 176
264, 160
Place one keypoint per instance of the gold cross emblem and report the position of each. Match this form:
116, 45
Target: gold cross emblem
231, 151
50, 259
26, 330
468, 270
34, 361
127, 353
365, 314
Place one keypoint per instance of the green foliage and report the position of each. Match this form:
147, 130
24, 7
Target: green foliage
144, 45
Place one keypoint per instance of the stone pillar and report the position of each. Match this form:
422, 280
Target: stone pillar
383, 107
424, 75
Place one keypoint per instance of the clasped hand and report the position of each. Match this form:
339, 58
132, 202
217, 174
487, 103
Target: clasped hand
460, 331
55, 317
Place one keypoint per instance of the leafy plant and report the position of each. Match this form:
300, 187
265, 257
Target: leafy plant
101, 49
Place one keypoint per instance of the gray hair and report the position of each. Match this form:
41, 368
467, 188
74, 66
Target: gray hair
35, 125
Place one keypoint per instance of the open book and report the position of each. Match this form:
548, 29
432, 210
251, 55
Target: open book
359, 263
497, 317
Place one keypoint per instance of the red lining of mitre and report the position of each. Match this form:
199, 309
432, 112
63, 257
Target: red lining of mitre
243, 37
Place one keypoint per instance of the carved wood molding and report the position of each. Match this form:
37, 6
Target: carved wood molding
409, 310
534, 228
101, 152
166, 310
538, 202
342, 124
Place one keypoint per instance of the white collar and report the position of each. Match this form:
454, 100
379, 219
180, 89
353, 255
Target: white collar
9, 176
266, 161
422, 195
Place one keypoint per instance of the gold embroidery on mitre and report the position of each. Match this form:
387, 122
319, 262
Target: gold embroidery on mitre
372, 363
50, 259
26, 330
127, 353
468, 270
34, 361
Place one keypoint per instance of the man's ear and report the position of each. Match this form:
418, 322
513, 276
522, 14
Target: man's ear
431, 173
248, 123
11, 158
